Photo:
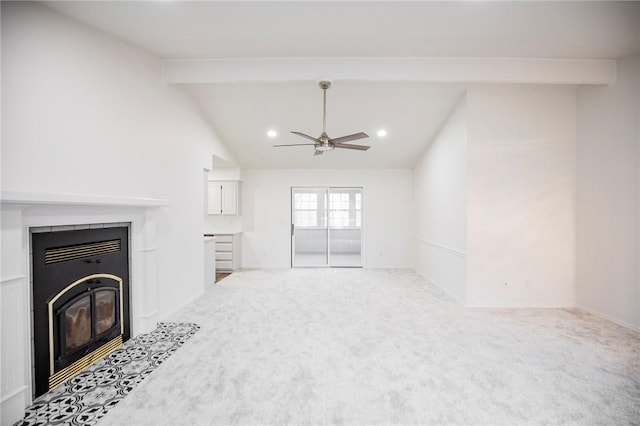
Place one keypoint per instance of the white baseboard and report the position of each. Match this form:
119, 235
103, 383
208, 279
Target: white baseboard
526, 305
13, 405
180, 306
609, 318
443, 289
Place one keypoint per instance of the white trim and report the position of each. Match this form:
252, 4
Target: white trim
169, 314
444, 290
14, 393
149, 315
7, 281
37, 198
395, 69
608, 318
442, 247
12, 406
147, 249
526, 305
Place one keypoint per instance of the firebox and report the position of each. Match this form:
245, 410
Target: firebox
80, 300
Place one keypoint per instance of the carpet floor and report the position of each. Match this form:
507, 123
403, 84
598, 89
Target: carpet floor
357, 346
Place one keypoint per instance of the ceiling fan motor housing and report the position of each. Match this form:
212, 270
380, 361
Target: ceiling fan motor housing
325, 144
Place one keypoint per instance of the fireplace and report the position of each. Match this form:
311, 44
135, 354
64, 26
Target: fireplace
81, 308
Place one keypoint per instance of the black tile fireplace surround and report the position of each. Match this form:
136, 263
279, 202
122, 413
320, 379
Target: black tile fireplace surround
80, 296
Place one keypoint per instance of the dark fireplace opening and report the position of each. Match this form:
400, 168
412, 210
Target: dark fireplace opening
80, 300
86, 316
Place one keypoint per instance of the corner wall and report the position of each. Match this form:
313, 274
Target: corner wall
440, 207
521, 192
608, 197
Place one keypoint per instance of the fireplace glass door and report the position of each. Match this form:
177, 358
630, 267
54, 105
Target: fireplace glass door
326, 227
77, 324
86, 318
105, 310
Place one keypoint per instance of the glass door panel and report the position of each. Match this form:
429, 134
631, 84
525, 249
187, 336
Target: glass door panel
309, 227
326, 227
345, 227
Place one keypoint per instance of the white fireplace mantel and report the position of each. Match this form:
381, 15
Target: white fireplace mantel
38, 198
21, 211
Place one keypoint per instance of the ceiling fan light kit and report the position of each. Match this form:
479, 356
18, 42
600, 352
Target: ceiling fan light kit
324, 142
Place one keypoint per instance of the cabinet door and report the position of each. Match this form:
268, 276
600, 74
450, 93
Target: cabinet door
215, 198
229, 198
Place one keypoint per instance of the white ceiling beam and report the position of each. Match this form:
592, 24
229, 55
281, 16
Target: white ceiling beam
431, 70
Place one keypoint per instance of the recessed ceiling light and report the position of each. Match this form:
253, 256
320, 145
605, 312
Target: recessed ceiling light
272, 133
382, 133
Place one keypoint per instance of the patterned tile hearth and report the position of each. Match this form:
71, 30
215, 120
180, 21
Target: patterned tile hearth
85, 398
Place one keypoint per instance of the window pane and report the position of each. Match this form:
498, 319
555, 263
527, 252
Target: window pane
333, 201
305, 201
306, 218
339, 218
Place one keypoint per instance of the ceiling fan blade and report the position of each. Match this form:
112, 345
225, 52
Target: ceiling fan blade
295, 144
351, 146
317, 152
348, 138
307, 136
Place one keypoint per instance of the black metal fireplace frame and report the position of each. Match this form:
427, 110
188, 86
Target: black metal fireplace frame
71, 275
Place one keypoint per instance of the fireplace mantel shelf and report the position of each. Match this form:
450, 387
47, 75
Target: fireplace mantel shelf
37, 198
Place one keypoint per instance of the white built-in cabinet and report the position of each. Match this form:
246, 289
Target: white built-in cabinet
227, 252
209, 261
223, 197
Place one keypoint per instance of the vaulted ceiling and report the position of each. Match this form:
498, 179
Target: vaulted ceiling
241, 112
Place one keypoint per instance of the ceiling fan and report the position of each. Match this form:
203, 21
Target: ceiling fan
324, 142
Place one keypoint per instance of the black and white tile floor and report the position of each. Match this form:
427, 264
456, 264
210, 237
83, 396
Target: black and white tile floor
85, 398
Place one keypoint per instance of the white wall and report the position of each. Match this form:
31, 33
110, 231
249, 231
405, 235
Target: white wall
387, 215
440, 207
608, 212
86, 113
521, 191
225, 173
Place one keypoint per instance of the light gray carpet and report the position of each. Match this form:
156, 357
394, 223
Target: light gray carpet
354, 346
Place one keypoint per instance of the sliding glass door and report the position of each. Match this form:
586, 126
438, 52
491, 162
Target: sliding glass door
345, 226
326, 227
309, 245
